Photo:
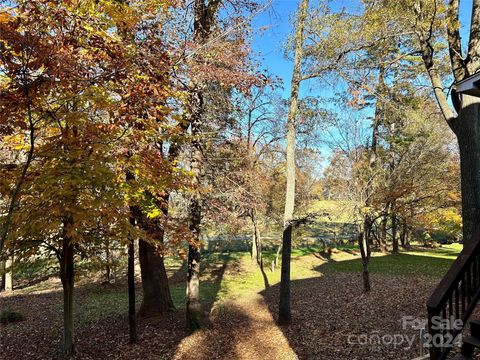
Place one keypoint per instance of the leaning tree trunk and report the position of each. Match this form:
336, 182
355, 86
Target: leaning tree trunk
67, 277
156, 292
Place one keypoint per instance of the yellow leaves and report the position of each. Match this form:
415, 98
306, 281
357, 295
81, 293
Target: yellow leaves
366, 210
153, 213
16, 142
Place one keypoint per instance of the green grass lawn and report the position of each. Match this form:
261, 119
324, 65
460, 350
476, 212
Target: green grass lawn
417, 262
233, 275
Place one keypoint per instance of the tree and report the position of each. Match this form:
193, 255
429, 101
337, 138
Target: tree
284, 312
86, 99
218, 62
437, 23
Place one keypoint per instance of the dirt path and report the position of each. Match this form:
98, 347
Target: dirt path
241, 329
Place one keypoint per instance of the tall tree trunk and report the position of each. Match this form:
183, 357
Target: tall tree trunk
277, 255
466, 125
256, 240
205, 12
132, 317
156, 292
382, 236
108, 261
405, 236
253, 250
468, 136
364, 244
194, 313
7, 282
132, 320
402, 235
284, 312
364, 236
157, 298
394, 234
3, 268
67, 277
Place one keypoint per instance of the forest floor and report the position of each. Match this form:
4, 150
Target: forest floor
332, 317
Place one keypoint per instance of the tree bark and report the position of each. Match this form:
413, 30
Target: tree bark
405, 236
256, 240
194, 316
108, 261
3, 268
277, 255
402, 235
253, 251
364, 236
284, 312
394, 234
132, 317
468, 136
204, 19
132, 320
382, 236
7, 282
67, 277
365, 251
156, 292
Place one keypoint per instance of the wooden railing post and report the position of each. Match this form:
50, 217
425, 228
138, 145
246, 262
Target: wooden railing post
434, 351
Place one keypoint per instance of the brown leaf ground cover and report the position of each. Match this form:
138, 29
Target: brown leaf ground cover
329, 311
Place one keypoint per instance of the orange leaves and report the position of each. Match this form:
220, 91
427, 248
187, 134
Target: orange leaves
5, 18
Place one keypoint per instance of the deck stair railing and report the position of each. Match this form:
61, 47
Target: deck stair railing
454, 299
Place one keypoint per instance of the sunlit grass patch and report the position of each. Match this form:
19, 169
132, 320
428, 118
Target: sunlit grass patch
416, 262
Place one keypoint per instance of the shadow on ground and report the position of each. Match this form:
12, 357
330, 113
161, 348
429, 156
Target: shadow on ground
101, 319
332, 316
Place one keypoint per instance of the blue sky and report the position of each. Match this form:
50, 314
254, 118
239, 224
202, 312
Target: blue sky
273, 26
272, 29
